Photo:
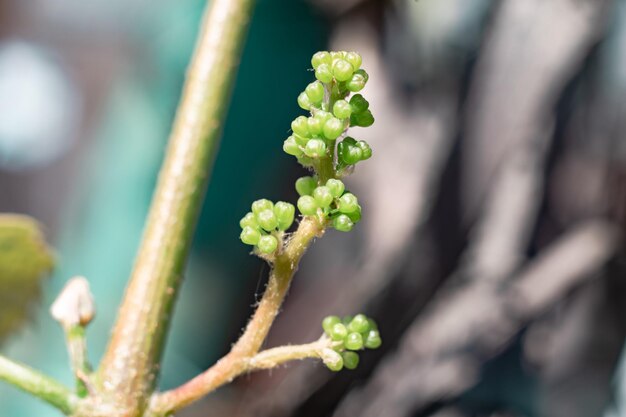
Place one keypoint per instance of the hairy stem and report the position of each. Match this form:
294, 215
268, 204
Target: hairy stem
248, 345
37, 384
129, 369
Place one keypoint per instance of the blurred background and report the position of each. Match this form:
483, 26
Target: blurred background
491, 251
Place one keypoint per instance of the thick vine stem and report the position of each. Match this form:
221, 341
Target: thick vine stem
237, 361
129, 370
37, 384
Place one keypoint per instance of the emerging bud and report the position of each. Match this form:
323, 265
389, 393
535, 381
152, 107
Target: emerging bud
74, 305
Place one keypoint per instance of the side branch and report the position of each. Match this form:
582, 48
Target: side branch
238, 360
37, 384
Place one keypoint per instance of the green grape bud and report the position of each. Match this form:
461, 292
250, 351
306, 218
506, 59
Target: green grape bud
267, 244
321, 57
300, 126
333, 128
349, 153
250, 236
342, 70
267, 220
359, 324
291, 147
365, 148
285, 213
323, 73
316, 125
304, 102
346, 320
332, 359
355, 216
354, 341
350, 359
365, 119
343, 223
323, 116
357, 81
315, 148
348, 203
323, 197
359, 104
354, 59
372, 324
307, 205
300, 140
373, 340
248, 220
329, 322
342, 109
336, 187
315, 92
305, 185
338, 332
261, 205
335, 55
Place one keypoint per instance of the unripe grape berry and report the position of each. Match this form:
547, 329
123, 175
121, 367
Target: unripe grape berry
359, 324
336, 187
365, 119
332, 359
261, 205
354, 58
342, 109
357, 81
315, 148
324, 73
343, 223
338, 332
291, 147
248, 220
305, 185
267, 244
316, 125
342, 70
333, 128
267, 220
285, 213
329, 322
300, 126
304, 102
307, 205
354, 341
350, 359
315, 91
321, 57
250, 236
365, 147
359, 104
323, 197
348, 203
355, 216
373, 340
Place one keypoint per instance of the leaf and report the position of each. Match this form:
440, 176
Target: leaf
25, 260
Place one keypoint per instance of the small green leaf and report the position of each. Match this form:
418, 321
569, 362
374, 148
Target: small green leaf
25, 259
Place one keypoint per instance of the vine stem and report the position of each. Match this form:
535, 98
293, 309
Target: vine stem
237, 361
37, 384
130, 366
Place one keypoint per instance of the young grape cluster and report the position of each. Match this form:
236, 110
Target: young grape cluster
319, 142
354, 334
262, 226
338, 74
328, 201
